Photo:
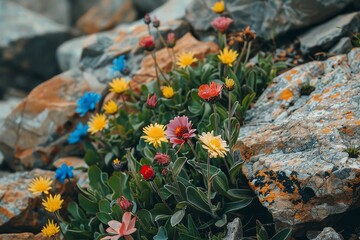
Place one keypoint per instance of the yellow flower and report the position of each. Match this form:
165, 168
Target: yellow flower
213, 144
97, 123
155, 134
168, 92
116, 161
50, 229
186, 59
229, 84
227, 56
218, 7
52, 203
110, 107
119, 85
40, 185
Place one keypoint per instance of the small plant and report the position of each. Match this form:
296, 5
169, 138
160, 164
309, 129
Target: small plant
352, 151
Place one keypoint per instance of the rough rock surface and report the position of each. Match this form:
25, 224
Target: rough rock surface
343, 46
146, 6
24, 236
106, 15
40, 117
293, 144
234, 230
329, 234
327, 34
267, 18
28, 45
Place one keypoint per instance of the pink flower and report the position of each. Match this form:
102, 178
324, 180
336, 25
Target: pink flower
170, 41
151, 101
221, 23
147, 42
124, 203
179, 130
124, 229
162, 158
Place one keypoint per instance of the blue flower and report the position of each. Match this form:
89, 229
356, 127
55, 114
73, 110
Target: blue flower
119, 65
87, 103
64, 172
80, 131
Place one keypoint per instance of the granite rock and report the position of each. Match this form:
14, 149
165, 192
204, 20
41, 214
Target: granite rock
268, 18
293, 143
329, 234
324, 36
234, 230
343, 46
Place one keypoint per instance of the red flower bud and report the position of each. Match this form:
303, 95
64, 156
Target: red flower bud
156, 22
147, 19
211, 92
171, 40
147, 172
151, 101
124, 203
162, 159
164, 171
147, 42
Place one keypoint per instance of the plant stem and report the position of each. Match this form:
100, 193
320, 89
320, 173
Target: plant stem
162, 199
209, 184
164, 43
215, 116
193, 151
240, 57
156, 70
125, 106
132, 168
59, 219
229, 117
225, 42
248, 53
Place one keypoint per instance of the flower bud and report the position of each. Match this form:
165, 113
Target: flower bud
147, 172
221, 23
125, 204
164, 171
170, 41
229, 84
147, 19
151, 101
147, 42
156, 22
162, 159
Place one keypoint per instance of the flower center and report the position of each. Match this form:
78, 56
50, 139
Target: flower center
156, 132
180, 130
215, 142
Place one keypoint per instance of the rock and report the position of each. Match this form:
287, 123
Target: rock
106, 15
343, 46
58, 11
70, 161
234, 230
79, 8
324, 36
329, 234
293, 145
17, 236
28, 45
147, 6
268, 18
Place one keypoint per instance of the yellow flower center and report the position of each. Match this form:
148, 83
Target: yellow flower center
168, 92
186, 59
156, 132
119, 85
215, 142
97, 123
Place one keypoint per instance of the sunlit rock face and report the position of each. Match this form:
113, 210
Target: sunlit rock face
295, 138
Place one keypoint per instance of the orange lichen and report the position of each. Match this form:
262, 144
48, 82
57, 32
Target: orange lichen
293, 71
326, 130
349, 115
288, 77
286, 95
335, 95
270, 197
337, 85
357, 122
317, 98
326, 90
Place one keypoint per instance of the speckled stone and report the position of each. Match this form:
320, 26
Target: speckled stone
329, 234
293, 144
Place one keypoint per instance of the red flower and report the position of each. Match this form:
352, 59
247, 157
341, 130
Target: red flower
124, 203
162, 159
151, 101
211, 92
147, 172
147, 42
221, 23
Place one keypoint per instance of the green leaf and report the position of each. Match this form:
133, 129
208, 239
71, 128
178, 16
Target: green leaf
239, 194
103, 217
178, 165
234, 171
191, 226
234, 206
88, 205
284, 234
104, 205
177, 217
91, 157
75, 211
197, 199
94, 174
165, 194
161, 234
261, 233
221, 222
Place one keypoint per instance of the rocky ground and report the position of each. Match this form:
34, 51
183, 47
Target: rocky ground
293, 141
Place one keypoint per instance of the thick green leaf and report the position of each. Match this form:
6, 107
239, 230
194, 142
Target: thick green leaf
103, 217
234, 206
239, 194
178, 165
284, 234
235, 171
261, 233
177, 217
197, 199
161, 234
104, 205
94, 174
75, 211
88, 205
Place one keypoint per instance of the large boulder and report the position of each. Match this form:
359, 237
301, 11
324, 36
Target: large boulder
294, 143
268, 18
28, 45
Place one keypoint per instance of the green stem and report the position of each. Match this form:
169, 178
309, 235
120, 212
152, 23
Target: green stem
225, 42
156, 70
209, 184
229, 117
158, 192
216, 120
248, 53
240, 57
164, 43
124, 102
193, 151
132, 168
59, 219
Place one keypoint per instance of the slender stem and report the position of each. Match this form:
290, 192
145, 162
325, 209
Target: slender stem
240, 57
225, 41
209, 184
156, 70
154, 113
162, 199
229, 117
158, 67
193, 151
248, 53
164, 43
174, 57
216, 120
176, 182
148, 28
59, 219
124, 102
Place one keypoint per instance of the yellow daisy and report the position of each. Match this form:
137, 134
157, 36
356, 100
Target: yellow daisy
218, 7
186, 59
50, 229
118, 85
97, 123
227, 56
213, 144
110, 107
229, 83
116, 161
168, 92
52, 203
40, 185
155, 134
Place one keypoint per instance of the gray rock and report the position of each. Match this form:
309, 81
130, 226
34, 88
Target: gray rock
293, 144
147, 6
268, 18
343, 46
329, 234
324, 36
234, 230
28, 44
